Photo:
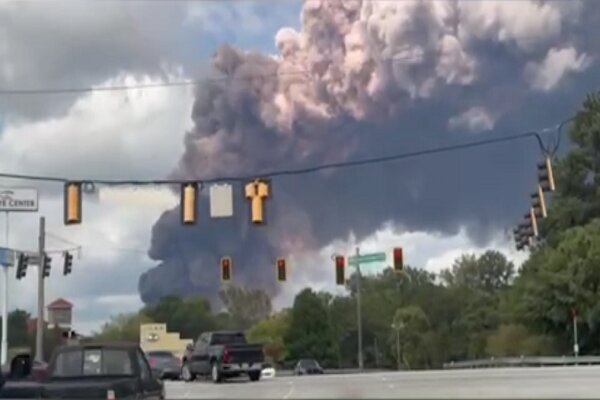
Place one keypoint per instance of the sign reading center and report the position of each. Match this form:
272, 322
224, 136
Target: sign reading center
18, 199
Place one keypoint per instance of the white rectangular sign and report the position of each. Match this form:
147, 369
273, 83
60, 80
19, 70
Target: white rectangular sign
221, 201
18, 199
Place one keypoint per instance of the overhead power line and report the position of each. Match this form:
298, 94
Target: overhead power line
285, 172
172, 84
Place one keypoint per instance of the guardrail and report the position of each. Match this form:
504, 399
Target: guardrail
502, 362
289, 372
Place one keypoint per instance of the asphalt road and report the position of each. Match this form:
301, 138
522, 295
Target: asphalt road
517, 383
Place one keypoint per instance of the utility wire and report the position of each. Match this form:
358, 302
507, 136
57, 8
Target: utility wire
172, 84
287, 172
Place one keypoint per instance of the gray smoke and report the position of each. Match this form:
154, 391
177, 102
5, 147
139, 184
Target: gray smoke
368, 78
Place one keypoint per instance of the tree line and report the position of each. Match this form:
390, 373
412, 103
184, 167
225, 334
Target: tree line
479, 307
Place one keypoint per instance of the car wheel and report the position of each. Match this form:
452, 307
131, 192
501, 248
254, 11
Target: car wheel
186, 374
215, 374
254, 375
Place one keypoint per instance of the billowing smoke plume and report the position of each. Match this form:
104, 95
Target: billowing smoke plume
368, 78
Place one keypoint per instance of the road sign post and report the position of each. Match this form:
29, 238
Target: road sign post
356, 260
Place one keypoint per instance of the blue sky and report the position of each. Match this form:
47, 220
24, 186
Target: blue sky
227, 19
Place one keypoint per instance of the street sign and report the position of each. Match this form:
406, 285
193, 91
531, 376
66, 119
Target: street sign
18, 199
366, 258
6, 257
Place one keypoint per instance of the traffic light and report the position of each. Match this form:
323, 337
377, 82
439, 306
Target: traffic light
539, 202
340, 270
531, 219
520, 236
398, 259
72, 203
47, 265
281, 270
68, 263
22, 266
226, 269
189, 203
546, 175
257, 192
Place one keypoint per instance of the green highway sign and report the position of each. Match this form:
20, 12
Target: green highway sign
366, 258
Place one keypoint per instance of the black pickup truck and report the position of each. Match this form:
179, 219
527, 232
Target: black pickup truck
222, 355
91, 371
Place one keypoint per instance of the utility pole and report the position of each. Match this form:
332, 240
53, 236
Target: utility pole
575, 341
4, 339
359, 312
39, 334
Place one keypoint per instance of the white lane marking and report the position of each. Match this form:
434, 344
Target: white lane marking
383, 378
391, 386
290, 392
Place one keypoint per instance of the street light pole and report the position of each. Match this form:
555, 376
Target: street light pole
4, 340
359, 311
39, 334
398, 348
575, 341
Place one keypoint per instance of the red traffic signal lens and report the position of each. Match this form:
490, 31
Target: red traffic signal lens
340, 261
280, 263
398, 253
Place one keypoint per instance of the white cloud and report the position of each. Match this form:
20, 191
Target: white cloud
428, 250
67, 44
547, 74
105, 273
135, 133
131, 134
475, 119
528, 24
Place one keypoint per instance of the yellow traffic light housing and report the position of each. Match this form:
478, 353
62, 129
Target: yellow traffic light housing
281, 270
257, 192
531, 219
189, 203
546, 175
72, 201
340, 270
539, 202
398, 259
226, 266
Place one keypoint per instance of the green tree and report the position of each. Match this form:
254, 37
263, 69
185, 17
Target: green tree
556, 280
189, 317
246, 306
122, 327
308, 334
513, 340
411, 325
18, 333
489, 272
271, 332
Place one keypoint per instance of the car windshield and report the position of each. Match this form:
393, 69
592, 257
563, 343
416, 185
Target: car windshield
309, 364
92, 362
228, 338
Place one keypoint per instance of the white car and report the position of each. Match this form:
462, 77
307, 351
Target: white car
268, 372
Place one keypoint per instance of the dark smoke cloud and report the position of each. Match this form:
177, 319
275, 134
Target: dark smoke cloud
370, 78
